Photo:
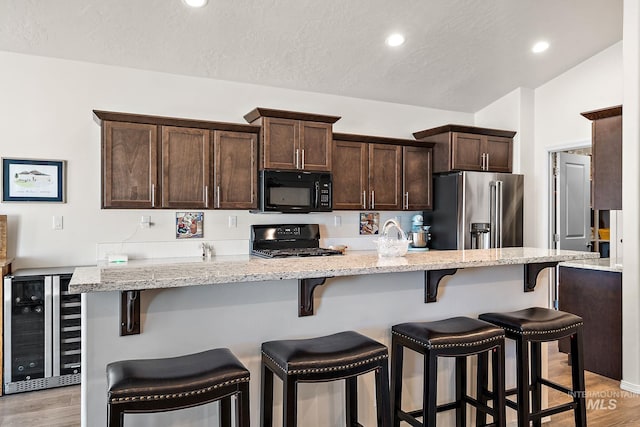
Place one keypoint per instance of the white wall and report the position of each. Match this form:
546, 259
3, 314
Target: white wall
630, 199
46, 113
514, 111
596, 83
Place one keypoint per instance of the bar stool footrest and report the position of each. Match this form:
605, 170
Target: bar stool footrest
410, 417
557, 386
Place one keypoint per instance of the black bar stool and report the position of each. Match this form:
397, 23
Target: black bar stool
457, 337
344, 355
530, 328
160, 385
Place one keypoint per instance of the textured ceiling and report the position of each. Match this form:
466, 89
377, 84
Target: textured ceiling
459, 54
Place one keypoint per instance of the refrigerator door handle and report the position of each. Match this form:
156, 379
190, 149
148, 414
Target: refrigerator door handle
493, 196
499, 201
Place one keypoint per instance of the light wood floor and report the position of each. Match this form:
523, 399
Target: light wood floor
61, 407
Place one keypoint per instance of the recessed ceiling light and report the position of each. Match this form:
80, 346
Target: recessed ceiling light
196, 3
539, 47
395, 40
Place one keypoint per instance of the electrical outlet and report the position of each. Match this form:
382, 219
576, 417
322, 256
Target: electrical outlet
233, 221
145, 221
57, 222
337, 220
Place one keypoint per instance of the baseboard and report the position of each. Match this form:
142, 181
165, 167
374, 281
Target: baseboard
634, 388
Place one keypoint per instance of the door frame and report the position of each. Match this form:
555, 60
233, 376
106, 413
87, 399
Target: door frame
554, 211
553, 215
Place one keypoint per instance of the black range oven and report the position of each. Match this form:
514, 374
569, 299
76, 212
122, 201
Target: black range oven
287, 240
301, 192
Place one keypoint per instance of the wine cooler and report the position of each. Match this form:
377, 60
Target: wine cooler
41, 330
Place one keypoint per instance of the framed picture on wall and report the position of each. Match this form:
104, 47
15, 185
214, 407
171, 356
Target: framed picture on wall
30, 180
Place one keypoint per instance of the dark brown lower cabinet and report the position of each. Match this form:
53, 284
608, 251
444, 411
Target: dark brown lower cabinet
596, 296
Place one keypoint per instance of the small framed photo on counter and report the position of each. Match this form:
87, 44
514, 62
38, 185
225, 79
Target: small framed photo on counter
189, 225
369, 222
30, 180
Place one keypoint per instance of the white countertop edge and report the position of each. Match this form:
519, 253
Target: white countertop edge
600, 264
180, 272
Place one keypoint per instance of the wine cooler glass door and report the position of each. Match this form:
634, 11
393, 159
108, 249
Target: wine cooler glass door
27, 322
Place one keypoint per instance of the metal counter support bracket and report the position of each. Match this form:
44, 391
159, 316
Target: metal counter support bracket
432, 280
531, 272
306, 287
129, 313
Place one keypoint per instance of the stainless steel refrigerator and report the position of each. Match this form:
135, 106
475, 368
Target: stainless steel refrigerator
476, 210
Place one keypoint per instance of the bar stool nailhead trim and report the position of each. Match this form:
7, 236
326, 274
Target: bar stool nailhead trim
174, 395
327, 369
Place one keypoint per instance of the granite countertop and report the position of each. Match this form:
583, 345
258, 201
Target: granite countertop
600, 264
5, 261
179, 272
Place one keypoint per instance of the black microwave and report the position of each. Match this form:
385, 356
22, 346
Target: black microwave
295, 192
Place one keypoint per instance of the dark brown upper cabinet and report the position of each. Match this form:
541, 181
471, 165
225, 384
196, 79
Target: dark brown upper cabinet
380, 173
129, 165
416, 178
186, 160
235, 170
470, 148
165, 162
293, 141
606, 158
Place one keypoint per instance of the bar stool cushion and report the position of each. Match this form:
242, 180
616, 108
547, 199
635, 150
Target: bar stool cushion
340, 351
156, 379
453, 332
534, 321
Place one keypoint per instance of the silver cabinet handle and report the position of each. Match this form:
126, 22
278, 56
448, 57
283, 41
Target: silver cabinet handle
218, 197
373, 199
153, 195
206, 196
487, 157
482, 162
364, 200
406, 206
302, 159
297, 158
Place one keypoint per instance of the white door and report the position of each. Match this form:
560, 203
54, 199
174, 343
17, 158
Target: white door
574, 201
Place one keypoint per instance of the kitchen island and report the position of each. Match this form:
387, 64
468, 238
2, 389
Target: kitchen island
255, 300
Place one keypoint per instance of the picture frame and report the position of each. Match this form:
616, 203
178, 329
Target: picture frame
369, 223
189, 225
32, 180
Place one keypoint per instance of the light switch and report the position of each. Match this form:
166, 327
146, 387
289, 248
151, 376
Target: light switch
337, 220
57, 222
233, 221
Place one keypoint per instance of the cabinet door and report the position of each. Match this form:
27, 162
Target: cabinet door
350, 175
466, 151
235, 170
129, 165
385, 177
280, 148
417, 178
186, 168
499, 151
607, 163
315, 146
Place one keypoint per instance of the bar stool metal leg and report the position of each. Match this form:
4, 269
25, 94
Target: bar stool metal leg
225, 412
397, 355
289, 402
536, 376
429, 408
266, 400
522, 380
577, 375
351, 404
382, 396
